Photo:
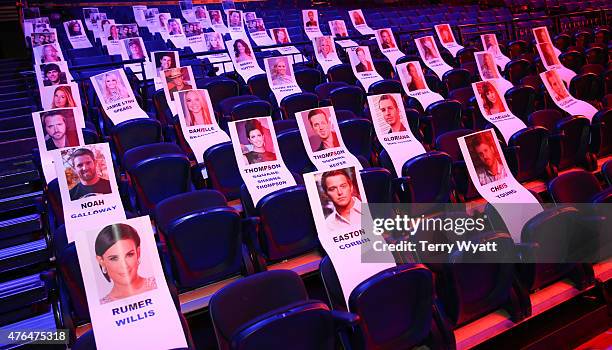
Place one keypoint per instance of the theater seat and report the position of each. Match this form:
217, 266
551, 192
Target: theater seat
258, 86
341, 72
528, 153
606, 171
134, 133
569, 144
297, 103
348, 97
601, 131
271, 310
251, 109
456, 78
415, 313
576, 186
516, 70
199, 257
293, 151
429, 177
386, 86
223, 170
308, 79
448, 144
357, 137
552, 243
283, 234
521, 101
442, 116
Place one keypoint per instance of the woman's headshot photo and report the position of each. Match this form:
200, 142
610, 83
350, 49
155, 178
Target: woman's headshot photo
489, 42
119, 257
413, 76
488, 67
113, 32
195, 107
445, 33
427, 48
214, 41
490, 98
49, 53
548, 54
259, 146
325, 46
338, 28
62, 97
242, 51
357, 17
74, 28
112, 87
280, 36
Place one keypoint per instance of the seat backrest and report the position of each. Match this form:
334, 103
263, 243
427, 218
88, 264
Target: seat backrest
200, 257
546, 118
445, 116
357, 136
162, 110
587, 87
223, 170
349, 98
220, 89
333, 289
384, 68
386, 86
448, 144
456, 78
54, 200
410, 313
251, 109
377, 184
576, 186
182, 204
156, 179
308, 78
285, 234
531, 152
521, 100
430, 177
137, 154
574, 142
134, 133
293, 151
248, 298
572, 59
298, 102
342, 72
74, 291
606, 171
323, 90
258, 85
517, 70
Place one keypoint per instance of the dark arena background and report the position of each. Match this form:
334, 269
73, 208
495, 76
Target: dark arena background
132, 215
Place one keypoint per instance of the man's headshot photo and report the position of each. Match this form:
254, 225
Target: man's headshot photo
134, 48
174, 26
310, 18
88, 168
556, 88
340, 199
388, 110
59, 129
234, 18
53, 75
215, 17
280, 71
365, 64
485, 157
548, 54
164, 60
385, 38
177, 79
320, 129
490, 44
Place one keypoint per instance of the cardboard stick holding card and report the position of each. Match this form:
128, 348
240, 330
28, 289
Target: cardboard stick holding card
325, 52
494, 181
116, 96
493, 107
131, 310
415, 85
322, 139
339, 229
487, 68
490, 44
447, 38
392, 129
243, 57
431, 56
76, 34
562, 98
56, 129
359, 22
280, 77
258, 156
198, 123
388, 46
363, 66
88, 188
310, 19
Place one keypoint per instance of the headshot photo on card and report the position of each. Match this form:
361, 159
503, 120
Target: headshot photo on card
214, 41
387, 41
321, 129
324, 46
134, 48
165, 60
256, 141
52, 74
113, 87
62, 97
178, 79
280, 36
485, 157
195, 108
388, 110
488, 67
86, 172
489, 97
122, 263
243, 51
280, 71
427, 48
413, 75
340, 199
59, 128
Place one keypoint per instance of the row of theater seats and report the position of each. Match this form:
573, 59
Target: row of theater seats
249, 242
